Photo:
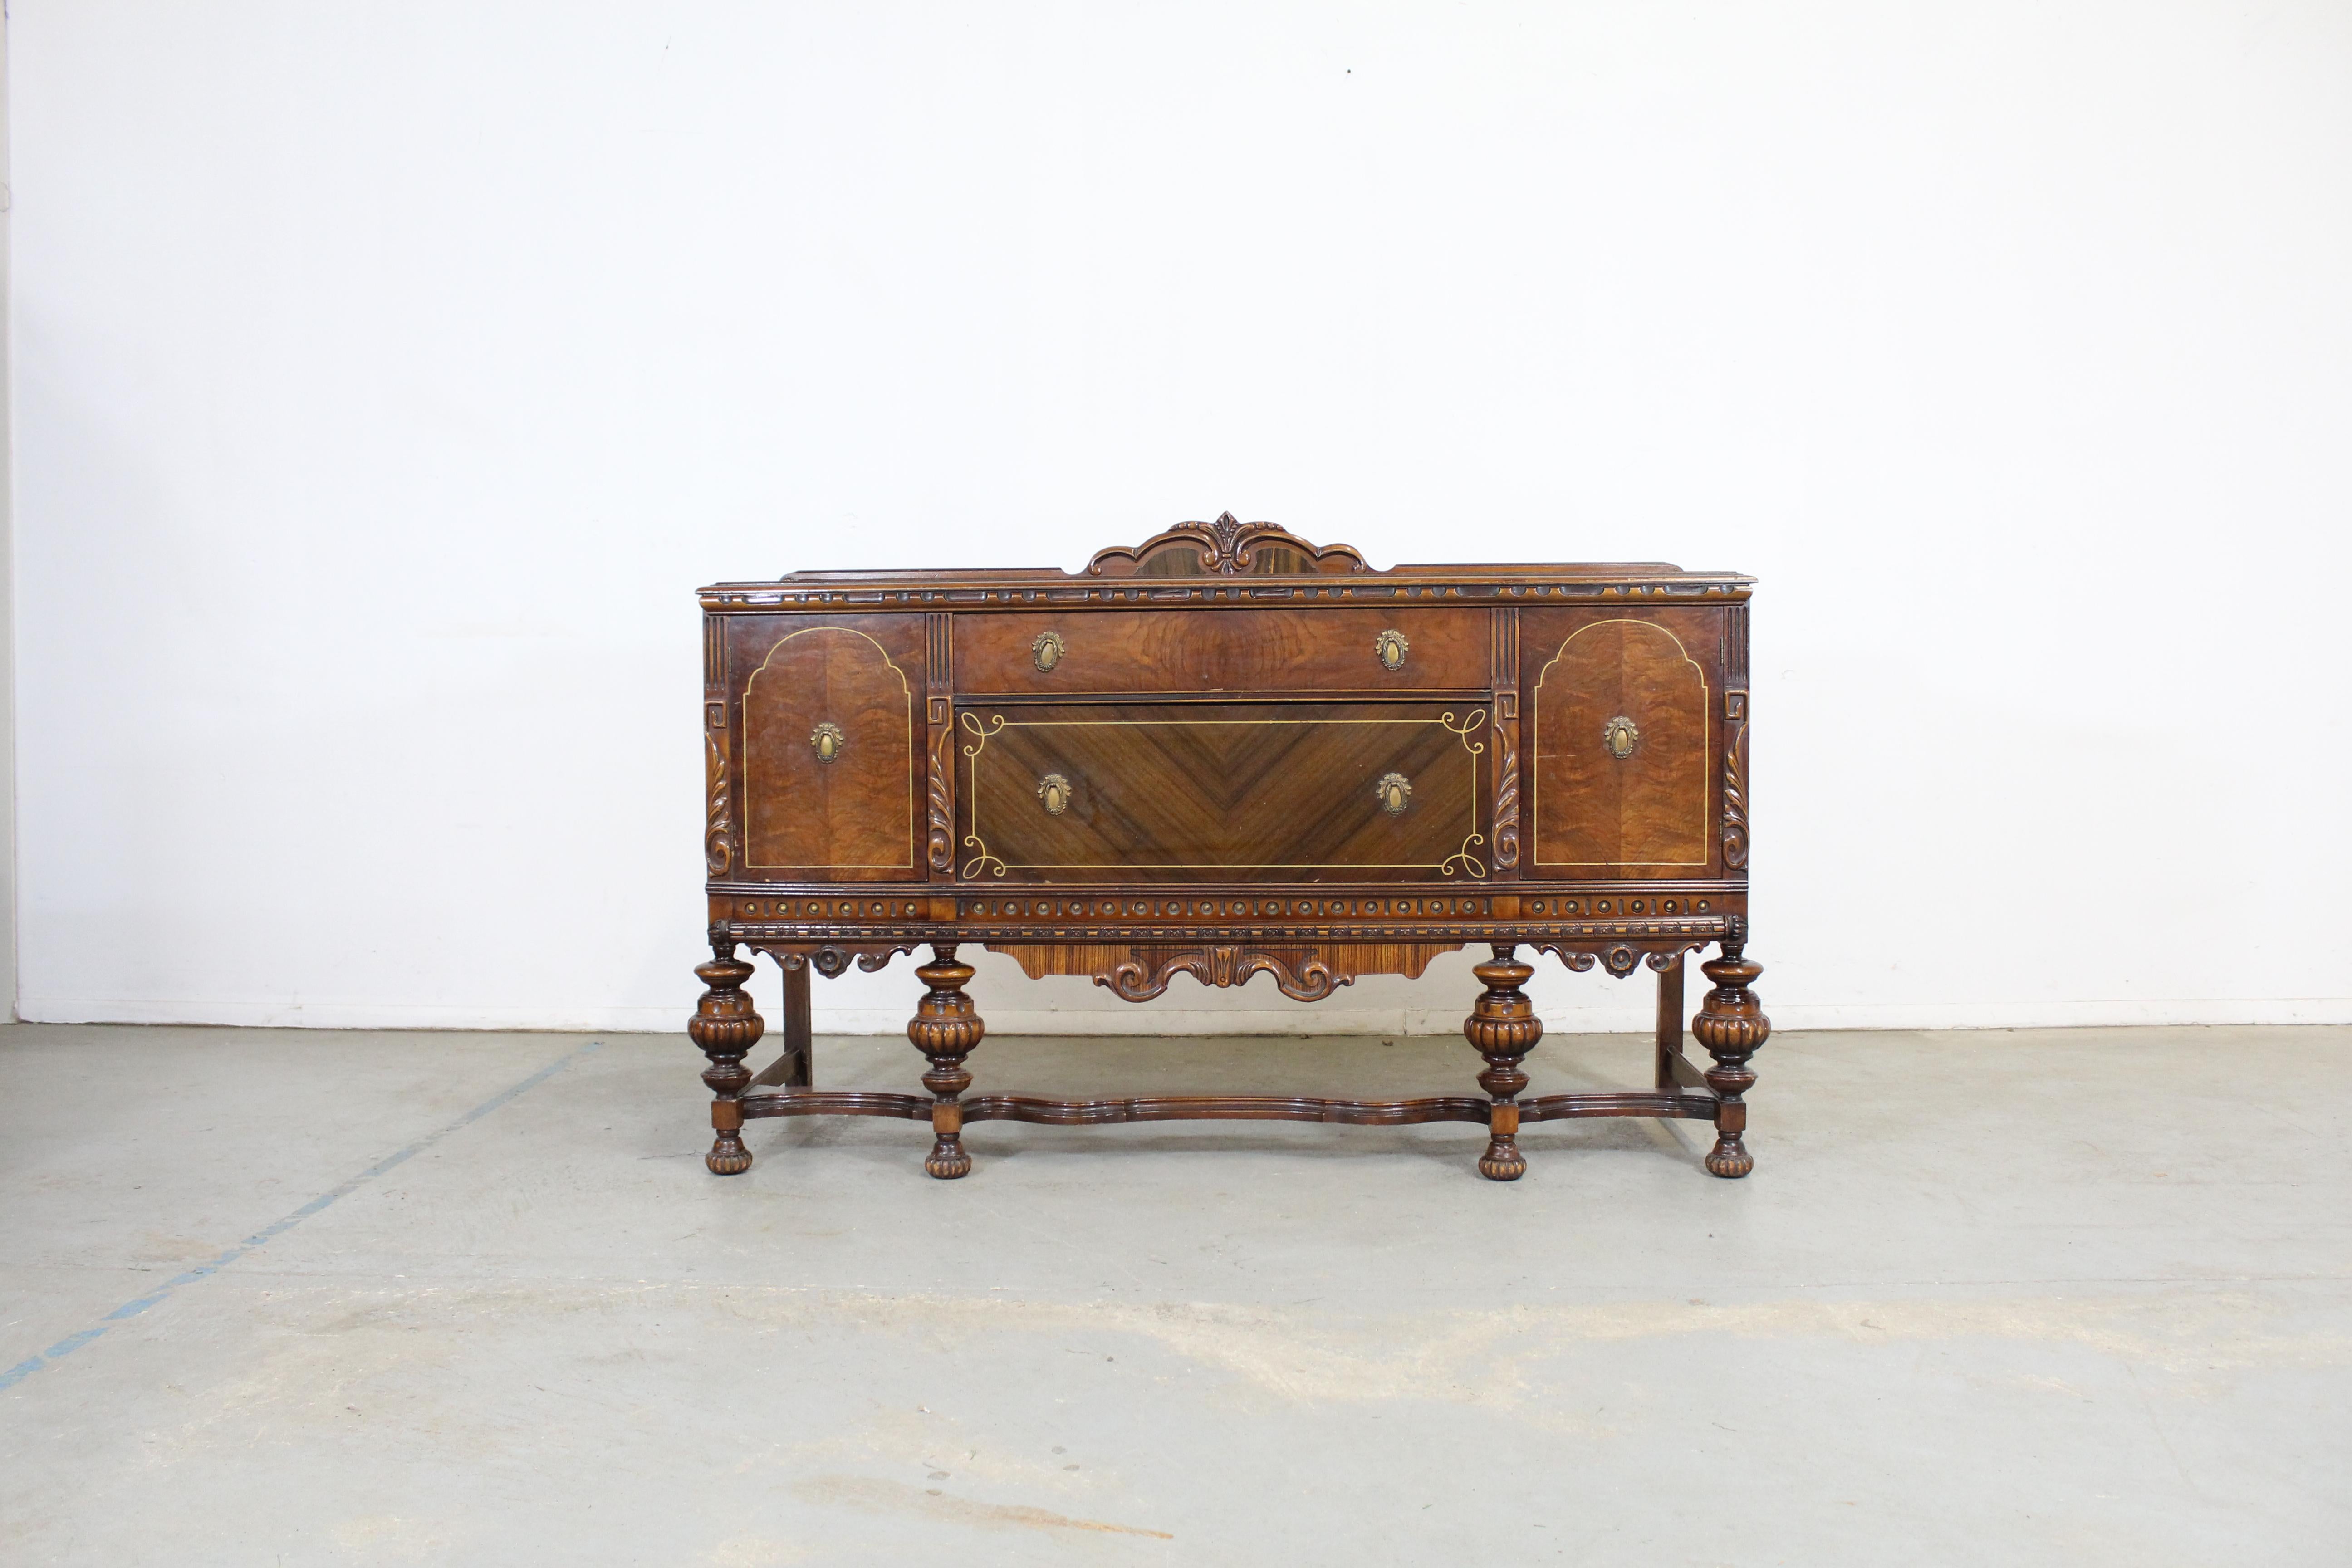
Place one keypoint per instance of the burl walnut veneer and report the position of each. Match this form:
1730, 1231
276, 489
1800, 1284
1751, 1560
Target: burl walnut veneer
1228, 752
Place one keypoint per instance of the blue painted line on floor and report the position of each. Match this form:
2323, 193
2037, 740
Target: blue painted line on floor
74, 1341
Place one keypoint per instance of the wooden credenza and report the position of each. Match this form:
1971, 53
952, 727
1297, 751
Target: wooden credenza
1229, 752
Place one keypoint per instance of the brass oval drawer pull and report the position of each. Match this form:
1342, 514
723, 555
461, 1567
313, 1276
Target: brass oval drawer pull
1394, 793
1047, 650
827, 741
1620, 736
1391, 646
1054, 791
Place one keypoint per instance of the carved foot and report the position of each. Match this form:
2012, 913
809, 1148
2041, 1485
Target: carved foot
726, 1027
945, 1029
1731, 1025
1729, 1157
1502, 1162
947, 1160
1503, 1028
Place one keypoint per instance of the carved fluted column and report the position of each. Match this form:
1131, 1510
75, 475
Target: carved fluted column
726, 1025
1504, 1028
1731, 1025
945, 1029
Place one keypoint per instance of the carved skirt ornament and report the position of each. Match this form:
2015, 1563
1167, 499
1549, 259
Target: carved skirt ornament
1227, 753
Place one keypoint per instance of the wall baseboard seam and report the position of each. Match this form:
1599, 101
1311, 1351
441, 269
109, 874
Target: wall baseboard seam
1324, 1020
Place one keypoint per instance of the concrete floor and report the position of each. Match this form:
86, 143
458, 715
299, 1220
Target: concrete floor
2073, 1297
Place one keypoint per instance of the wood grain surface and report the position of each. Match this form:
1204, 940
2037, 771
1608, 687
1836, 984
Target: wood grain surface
1243, 651
855, 813
1219, 742
1596, 813
1247, 792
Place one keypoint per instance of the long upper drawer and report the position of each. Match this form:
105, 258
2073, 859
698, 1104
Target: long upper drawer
1241, 651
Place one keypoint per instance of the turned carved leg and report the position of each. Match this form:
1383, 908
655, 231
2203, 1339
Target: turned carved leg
1504, 1028
945, 1029
726, 1025
1731, 1025
1670, 1022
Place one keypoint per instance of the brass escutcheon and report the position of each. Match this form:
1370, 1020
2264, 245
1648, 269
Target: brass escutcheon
828, 739
1054, 791
1620, 736
1391, 646
1048, 649
1394, 793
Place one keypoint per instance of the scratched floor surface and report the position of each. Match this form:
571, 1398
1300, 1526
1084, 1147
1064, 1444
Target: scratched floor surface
2071, 1297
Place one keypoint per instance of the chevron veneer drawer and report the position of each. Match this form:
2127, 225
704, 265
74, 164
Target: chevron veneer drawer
1248, 792
1227, 753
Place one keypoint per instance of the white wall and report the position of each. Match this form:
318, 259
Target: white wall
387, 376
8, 606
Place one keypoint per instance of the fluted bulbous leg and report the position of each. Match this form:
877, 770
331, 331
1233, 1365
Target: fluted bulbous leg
1503, 1028
1731, 1025
726, 1025
945, 1029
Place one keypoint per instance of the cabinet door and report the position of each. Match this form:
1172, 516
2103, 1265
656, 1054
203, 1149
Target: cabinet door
832, 741
1621, 708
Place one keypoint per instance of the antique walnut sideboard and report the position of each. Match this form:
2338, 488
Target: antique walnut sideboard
1226, 751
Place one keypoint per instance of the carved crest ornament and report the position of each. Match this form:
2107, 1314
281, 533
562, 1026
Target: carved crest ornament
1226, 548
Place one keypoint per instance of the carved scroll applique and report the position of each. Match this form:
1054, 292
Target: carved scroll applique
942, 842
718, 834
1735, 805
1507, 782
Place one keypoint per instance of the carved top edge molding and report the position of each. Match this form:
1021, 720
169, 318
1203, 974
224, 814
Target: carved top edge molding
1179, 562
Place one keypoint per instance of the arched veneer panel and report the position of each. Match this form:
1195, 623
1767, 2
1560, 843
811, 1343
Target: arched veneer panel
1596, 812
801, 811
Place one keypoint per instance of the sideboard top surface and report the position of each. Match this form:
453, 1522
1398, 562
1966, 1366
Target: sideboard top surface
1228, 561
